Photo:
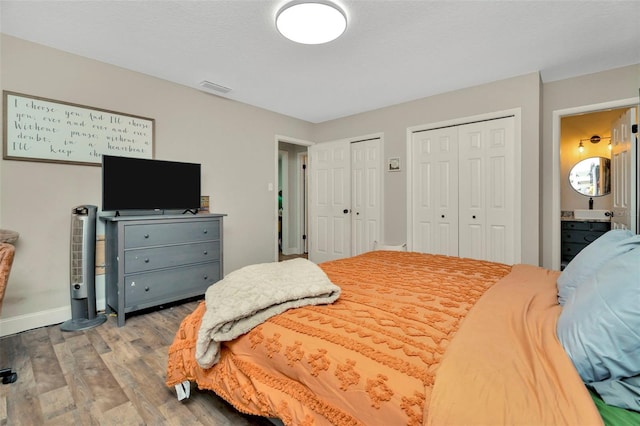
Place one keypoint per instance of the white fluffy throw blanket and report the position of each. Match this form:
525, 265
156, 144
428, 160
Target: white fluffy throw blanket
249, 296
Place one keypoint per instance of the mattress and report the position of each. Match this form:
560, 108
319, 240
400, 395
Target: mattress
375, 355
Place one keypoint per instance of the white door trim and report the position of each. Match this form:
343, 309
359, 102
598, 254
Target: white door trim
283, 162
277, 140
303, 208
517, 114
557, 116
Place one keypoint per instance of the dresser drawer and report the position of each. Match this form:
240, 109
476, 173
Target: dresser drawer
569, 250
586, 226
147, 259
145, 235
583, 237
162, 286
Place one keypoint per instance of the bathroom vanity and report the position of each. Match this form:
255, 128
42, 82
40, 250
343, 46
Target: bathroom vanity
576, 234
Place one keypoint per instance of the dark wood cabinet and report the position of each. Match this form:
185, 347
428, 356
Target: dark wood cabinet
576, 235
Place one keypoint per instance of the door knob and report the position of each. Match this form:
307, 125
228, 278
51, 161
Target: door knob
345, 211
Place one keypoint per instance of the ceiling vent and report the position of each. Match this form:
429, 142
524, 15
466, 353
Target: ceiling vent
214, 87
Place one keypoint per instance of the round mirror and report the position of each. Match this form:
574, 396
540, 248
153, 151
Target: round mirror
592, 176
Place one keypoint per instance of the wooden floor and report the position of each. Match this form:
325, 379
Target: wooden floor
104, 376
282, 257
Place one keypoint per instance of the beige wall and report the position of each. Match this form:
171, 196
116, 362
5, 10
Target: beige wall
592, 89
519, 92
233, 141
235, 144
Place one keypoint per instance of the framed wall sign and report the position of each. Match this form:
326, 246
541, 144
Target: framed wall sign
40, 129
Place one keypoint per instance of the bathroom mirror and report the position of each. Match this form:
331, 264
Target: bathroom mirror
592, 176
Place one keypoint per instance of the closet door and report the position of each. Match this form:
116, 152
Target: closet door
344, 219
329, 201
366, 183
434, 191
487, 190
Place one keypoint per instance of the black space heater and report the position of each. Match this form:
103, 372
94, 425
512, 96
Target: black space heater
83, 270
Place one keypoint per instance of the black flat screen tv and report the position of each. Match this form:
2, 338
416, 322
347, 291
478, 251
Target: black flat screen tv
143, 184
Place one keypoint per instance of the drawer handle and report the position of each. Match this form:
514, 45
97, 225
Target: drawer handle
206, 252
146, 288
206, 277
146, 260
146, 235
474, 216
205, 231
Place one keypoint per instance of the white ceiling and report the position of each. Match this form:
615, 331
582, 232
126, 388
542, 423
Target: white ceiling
393, 51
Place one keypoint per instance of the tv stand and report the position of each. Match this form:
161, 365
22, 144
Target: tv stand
157, 259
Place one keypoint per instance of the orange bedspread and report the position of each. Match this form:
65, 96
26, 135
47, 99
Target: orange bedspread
368, 359
521, 375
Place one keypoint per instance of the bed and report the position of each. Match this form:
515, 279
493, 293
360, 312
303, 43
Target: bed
413, 339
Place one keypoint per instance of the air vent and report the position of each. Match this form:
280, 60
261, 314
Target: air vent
215, 87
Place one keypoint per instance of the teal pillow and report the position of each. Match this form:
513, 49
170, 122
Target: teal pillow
592, 257
599, 325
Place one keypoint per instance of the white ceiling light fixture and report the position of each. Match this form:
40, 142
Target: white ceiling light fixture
311, 22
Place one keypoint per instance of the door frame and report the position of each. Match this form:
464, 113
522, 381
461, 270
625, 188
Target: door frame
283, 173
517, 153
293, 141
557, 116
303, 194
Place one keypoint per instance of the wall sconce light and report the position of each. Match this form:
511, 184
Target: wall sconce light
594, 140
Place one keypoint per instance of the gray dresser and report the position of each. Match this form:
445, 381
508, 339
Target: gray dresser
577, 234
152, 260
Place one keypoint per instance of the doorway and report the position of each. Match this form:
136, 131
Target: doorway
568, 125
291, 198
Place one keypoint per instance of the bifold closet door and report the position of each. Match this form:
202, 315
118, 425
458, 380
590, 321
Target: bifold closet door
435, 191
329, 201
463, 190
344, 219
486, 190
366, 203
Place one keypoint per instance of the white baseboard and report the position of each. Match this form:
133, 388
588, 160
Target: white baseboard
20, 323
